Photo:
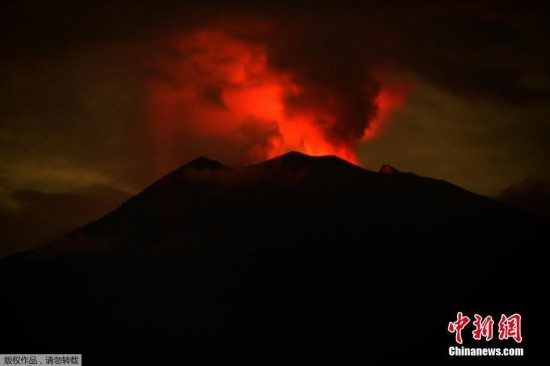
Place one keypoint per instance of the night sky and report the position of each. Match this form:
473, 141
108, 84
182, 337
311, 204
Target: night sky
101, 98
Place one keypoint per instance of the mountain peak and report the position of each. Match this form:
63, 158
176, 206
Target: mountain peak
294, 155
203, 163
330, 166
294, 158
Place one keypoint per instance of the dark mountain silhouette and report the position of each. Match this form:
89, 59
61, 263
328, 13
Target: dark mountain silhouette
295, 260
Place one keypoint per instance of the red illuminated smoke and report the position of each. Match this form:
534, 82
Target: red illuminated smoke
214, 84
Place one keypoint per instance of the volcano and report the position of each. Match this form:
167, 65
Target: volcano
298, 259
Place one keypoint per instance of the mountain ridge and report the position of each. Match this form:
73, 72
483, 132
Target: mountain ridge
202, 178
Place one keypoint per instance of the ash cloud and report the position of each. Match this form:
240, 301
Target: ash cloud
330, 49
484, 51
328, 60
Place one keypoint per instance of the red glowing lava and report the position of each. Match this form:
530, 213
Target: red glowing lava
214, 84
